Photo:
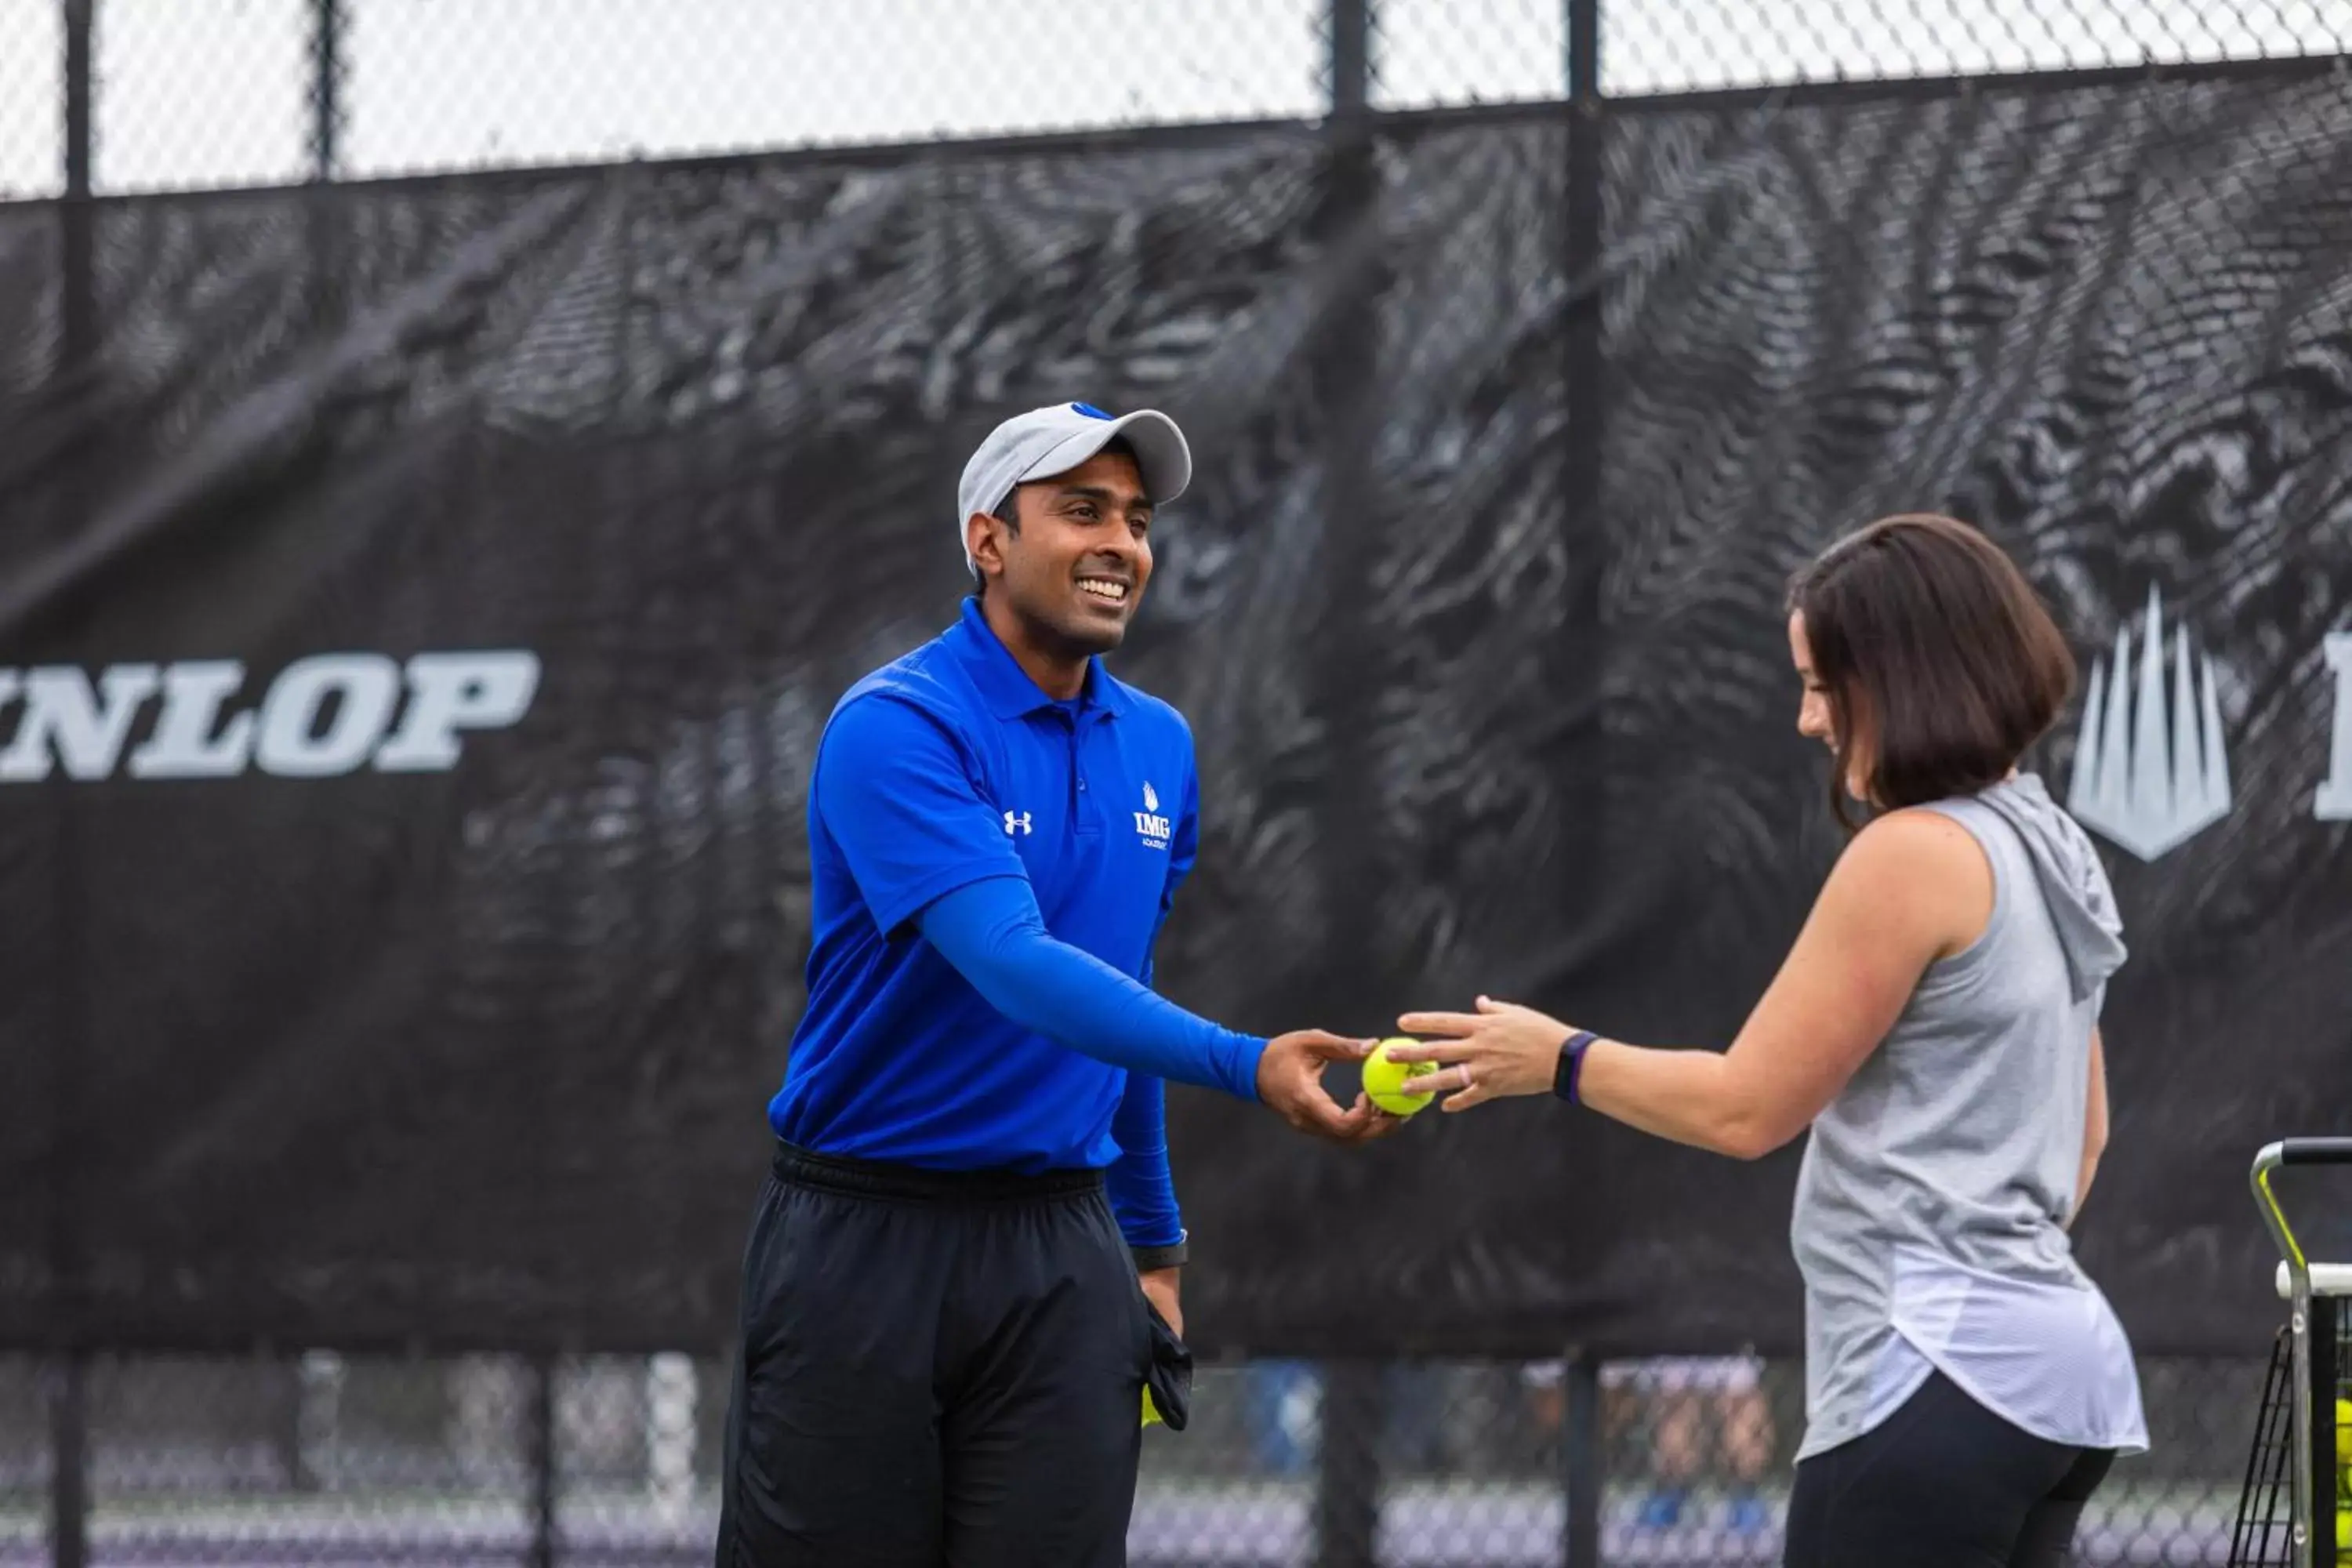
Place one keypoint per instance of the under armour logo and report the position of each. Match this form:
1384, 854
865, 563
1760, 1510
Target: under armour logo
1018, 822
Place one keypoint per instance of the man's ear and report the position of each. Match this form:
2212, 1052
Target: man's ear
983, 540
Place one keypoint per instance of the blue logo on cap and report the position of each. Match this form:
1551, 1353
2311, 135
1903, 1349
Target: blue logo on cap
1089, 410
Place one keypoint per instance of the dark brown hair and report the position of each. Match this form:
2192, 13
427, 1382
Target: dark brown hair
1937, 656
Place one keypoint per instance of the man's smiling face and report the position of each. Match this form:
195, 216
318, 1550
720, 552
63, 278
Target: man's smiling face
1075, 570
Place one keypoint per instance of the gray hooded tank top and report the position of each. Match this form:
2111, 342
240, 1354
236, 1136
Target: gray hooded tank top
1945, 1170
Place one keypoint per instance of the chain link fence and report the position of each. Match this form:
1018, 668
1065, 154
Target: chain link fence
1694, 46
327, 1461
257, 92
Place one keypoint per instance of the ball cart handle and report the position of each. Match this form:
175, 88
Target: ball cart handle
2274, 1157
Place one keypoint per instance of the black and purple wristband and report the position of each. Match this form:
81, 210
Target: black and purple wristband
1571, 1063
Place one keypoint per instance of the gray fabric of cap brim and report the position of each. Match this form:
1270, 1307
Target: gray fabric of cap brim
1162, 460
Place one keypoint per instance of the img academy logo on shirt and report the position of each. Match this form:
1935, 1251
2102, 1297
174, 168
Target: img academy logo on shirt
1149, 825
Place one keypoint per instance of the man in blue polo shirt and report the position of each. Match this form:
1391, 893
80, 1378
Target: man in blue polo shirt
945, 1328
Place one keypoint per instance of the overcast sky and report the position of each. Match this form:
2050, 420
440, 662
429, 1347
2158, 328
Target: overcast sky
212, 92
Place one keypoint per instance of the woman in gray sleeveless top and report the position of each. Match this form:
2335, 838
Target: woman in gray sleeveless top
1935, 1026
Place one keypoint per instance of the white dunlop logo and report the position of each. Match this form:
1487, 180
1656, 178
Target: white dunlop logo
64, 721
1149, 825
2149, 774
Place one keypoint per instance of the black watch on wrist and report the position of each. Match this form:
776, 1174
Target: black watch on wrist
1571, 1057
1147, 1258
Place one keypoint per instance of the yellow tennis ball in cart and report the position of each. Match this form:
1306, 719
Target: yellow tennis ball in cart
1385, 1078
2343, 1431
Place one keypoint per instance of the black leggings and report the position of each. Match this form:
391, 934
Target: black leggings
1943, 1483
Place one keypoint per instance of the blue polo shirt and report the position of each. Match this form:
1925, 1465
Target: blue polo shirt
947, 768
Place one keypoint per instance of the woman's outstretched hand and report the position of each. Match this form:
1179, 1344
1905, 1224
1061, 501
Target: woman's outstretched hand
1500, 1049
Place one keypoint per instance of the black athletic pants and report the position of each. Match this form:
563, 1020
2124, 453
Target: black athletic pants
1944, 1483
935, 1371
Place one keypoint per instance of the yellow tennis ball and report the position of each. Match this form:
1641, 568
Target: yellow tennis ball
2343, 1431
1385, 1079
2344, 1528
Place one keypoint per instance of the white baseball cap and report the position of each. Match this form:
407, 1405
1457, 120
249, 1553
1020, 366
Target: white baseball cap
1058, 437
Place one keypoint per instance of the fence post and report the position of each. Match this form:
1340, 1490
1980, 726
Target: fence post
1342, 352
1348, 1465
77, 270
1584, 367
68, 1386
1343, 365
545, 1481
1581, 1460
78, 140
69, 1400
326, 88
1584, 373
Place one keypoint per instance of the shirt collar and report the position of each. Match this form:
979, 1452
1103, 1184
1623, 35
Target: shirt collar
1005, 687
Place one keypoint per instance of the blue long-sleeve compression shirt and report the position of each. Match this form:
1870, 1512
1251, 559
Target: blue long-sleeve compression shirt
993, 932
995, 935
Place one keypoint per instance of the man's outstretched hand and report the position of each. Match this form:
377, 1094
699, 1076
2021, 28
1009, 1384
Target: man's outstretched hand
1290, 1081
